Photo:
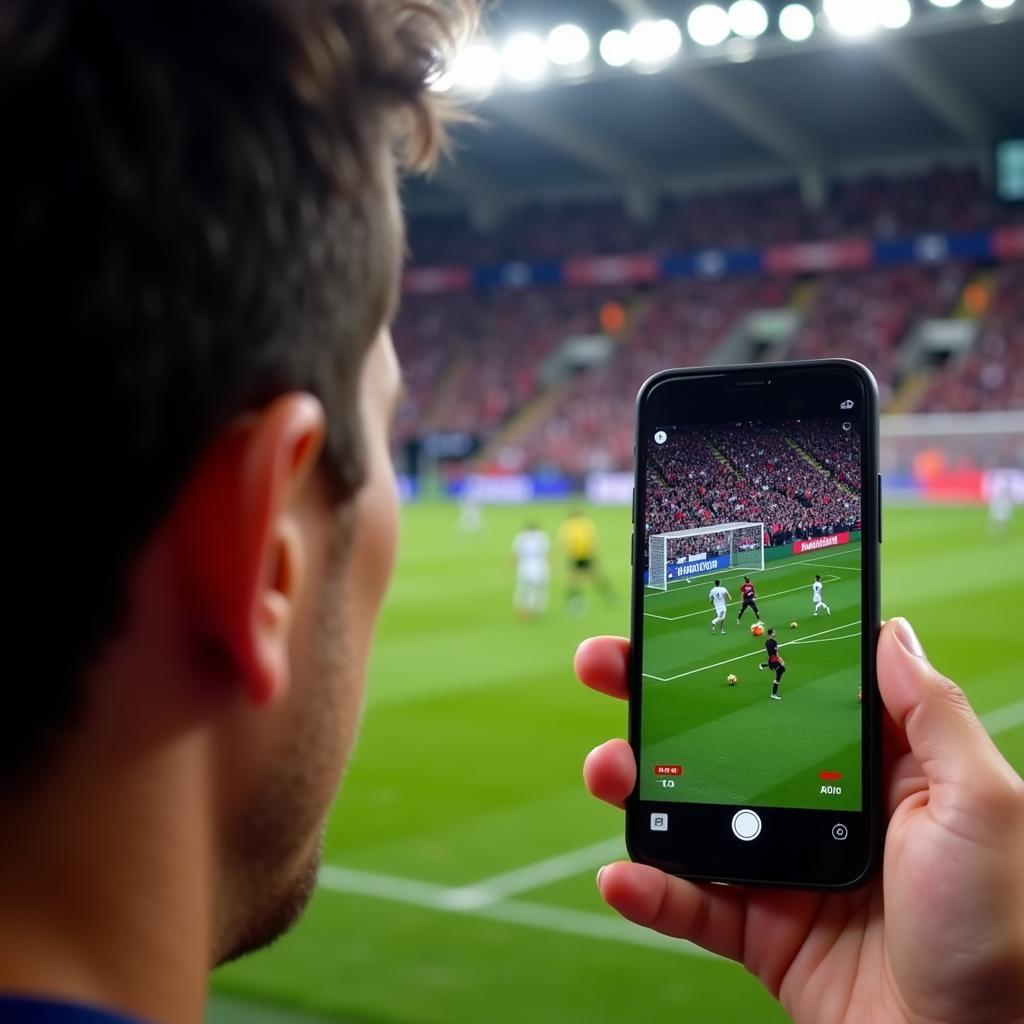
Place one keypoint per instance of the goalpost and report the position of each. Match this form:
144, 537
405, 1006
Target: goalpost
684, 553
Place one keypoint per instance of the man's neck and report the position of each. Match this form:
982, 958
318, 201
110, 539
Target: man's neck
105, 888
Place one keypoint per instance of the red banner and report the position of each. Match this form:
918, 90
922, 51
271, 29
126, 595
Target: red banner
802, 546
1008, 243
435, 280
628, 269
816, 257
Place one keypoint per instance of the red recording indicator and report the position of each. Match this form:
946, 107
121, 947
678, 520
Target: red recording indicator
830, 776
668, 769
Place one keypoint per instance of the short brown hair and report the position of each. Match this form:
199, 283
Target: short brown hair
199, 210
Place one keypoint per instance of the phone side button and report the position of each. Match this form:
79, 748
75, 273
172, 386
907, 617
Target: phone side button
879, 507
631, 549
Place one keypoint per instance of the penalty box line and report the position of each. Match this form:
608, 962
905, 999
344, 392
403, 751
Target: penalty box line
735, 574
740, 657
762, 597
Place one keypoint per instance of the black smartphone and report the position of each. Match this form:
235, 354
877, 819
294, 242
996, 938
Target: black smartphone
754, 713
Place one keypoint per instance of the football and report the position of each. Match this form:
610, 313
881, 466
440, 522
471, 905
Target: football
730, 679
792, 625
757, 629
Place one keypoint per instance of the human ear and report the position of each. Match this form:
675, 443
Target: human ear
240, 548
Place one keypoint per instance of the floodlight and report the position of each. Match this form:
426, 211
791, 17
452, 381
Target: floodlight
945, 3
748, 19
708, 25
568, 45
998, 5
524, 58
851, 18
796, 23
441, 81
476, 68
655, 42
894, 13
616, 48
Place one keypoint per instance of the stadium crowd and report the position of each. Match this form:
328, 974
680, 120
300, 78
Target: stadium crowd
477, 362
991, 375
797, 481
882, 206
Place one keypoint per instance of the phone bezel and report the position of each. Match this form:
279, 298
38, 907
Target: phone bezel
797, 853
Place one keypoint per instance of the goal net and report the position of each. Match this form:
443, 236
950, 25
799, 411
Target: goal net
682, 554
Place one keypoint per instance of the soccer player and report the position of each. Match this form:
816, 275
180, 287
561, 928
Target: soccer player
749, 599
819, 603
530, 550
774, 662
718, 595
578, 539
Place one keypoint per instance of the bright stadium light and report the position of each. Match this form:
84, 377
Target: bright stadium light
998, 5
796, 23
441, 81
568, 45
708, 25
853, 19
616, 48
748, 19
945, 3
476, 68
655, 42
894, 13
524, 58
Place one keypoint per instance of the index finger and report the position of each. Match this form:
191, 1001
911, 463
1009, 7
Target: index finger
602, 663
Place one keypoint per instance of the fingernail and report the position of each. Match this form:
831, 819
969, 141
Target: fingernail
908, 638
600, 871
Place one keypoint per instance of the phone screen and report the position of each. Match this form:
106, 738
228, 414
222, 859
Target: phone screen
753, 713
752, 613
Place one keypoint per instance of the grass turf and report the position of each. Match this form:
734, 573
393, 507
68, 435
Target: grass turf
730, 749
469, 766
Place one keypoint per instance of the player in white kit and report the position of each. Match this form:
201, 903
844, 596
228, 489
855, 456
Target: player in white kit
530, 550
718, 595
816, 588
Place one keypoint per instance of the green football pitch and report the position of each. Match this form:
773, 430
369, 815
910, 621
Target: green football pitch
459, 863
730, 750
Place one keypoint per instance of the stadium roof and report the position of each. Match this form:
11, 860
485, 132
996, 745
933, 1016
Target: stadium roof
947, 85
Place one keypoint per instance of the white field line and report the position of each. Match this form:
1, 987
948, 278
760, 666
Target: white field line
740, 657
565, 865
1003, 719
849, 568
760, 597
735, 574
581, 923
827, 640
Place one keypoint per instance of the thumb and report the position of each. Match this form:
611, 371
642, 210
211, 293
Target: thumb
944, 733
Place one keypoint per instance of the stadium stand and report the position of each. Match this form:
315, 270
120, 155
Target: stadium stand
798, 486
475, 360
942, 199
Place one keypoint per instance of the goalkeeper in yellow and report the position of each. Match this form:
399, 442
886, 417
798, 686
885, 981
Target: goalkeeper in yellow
577, 537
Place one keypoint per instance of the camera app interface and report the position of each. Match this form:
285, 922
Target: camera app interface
752, 614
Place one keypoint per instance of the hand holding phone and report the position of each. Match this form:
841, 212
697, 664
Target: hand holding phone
753, 711
939, 935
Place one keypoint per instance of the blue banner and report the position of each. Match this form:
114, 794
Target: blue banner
684, 570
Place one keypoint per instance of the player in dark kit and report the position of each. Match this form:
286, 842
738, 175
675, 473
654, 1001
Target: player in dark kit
774, 662
748, 595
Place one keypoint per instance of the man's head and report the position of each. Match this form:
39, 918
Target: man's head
746, 579
718, 583
818, 578
203, 245
771, 632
